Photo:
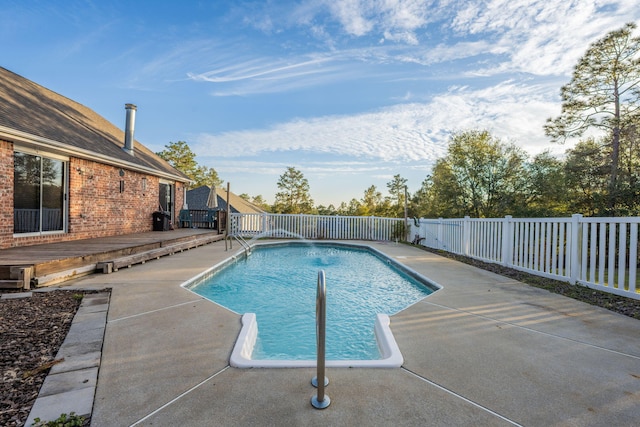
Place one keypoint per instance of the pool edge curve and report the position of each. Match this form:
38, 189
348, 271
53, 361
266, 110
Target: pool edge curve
241, 354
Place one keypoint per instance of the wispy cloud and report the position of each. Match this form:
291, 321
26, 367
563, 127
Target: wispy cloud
394, 20
255, 70
268, 75
405, 132
275, 167
369, 148
482, 38
256, 74
386, 135
542, 37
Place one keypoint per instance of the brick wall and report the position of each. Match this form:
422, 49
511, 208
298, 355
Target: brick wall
6, 194
97, 206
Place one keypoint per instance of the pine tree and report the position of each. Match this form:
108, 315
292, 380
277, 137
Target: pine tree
602, 94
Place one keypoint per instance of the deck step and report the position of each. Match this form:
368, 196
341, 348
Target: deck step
11, 284
19, 278
142, 257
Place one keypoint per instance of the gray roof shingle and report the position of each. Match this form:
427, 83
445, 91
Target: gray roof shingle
197, 199
32, 109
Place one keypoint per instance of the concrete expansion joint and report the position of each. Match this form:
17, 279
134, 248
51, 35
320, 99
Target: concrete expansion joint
156, 310
180, 396
459, 396
525, 328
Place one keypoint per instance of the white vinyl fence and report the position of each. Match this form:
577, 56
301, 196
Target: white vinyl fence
317, 226
601, 253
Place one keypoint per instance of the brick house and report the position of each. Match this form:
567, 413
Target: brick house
70, 174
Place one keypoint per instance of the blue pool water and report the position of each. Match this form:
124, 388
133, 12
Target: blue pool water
278, 284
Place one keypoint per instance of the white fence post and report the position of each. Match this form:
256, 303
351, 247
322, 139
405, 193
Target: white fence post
466, 236
575, 248
440, 234
507, 240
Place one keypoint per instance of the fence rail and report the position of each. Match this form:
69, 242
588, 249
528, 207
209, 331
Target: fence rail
317, 226
601, 253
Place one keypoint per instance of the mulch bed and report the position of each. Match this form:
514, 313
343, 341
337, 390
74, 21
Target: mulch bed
32, 330
619, 304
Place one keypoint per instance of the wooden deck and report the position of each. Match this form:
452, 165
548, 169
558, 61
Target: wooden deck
41, 265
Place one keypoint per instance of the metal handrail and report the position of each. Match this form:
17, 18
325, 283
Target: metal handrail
246, 246
321, 400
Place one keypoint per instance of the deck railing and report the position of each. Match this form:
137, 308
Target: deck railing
601, 253
317, 226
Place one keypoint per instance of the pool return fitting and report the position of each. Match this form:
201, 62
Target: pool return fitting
321, 400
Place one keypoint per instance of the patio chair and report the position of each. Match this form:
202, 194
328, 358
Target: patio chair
212, 222
185, 217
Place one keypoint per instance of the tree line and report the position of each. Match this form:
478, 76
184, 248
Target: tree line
484, 176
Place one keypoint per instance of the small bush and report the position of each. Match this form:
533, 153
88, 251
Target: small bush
64, 420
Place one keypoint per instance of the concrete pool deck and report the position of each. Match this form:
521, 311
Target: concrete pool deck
484, 350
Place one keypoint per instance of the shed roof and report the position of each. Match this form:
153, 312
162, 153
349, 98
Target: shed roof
197, 199
33, 114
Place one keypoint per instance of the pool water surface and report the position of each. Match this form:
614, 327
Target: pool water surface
278, 283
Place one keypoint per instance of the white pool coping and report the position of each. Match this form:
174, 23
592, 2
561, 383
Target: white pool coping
242, 350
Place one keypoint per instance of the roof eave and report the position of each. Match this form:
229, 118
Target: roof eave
14, 135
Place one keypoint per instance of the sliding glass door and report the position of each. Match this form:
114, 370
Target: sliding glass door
39, 193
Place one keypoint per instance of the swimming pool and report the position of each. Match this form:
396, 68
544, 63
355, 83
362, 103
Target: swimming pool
275, 288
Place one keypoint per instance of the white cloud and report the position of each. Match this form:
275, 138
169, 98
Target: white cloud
543, 37
445, 53
514, 112
343, 155
489, 38
256, 69
474, 38
397, 20
350, 13
258, 74
271, 167
405, 132
539, 36
263, 74
388, 135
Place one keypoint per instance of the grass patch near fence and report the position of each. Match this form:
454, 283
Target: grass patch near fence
619, 304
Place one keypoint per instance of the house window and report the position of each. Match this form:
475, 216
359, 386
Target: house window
38, 193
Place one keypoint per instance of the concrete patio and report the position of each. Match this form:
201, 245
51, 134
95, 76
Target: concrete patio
484, 351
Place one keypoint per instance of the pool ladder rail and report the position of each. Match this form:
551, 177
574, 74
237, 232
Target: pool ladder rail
321, 400
246, 246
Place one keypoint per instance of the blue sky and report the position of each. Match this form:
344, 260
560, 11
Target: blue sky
349, 92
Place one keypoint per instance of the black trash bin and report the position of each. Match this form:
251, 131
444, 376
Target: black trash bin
161, 221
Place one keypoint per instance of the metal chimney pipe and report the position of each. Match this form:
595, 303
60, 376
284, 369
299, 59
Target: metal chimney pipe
129, 128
